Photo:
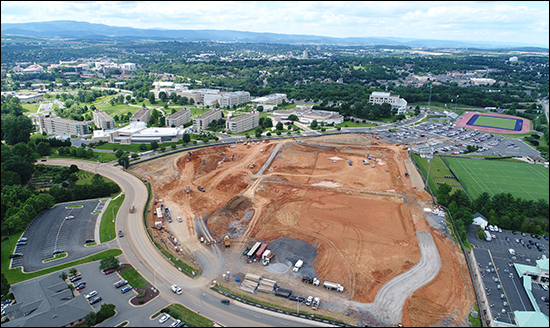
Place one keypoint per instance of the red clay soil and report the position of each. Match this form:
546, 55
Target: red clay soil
361, 220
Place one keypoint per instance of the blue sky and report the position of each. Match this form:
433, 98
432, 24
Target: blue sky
500, 21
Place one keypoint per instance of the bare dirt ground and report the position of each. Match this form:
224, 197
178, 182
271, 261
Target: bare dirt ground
361, 220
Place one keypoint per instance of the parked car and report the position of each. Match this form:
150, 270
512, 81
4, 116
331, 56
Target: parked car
81, 287
106, 272
164, 318
175, 323
21, 243
508, 239
23, 239
91, 294
14, 255
95, 300
126, 289
80, 284
75, 278
89, 241
309, 300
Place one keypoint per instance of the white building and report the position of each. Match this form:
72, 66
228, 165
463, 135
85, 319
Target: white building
306, 115
201, 122
394, 100
275, 99
137, 132
243, 123
234, 98
128, 67
102, 120
179, 118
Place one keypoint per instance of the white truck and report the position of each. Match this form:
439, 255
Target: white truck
267, 256
176, 289
487, 235
316, 302
333, 286
298, 265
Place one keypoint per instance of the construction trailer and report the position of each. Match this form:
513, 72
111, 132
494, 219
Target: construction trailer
254, 249
261, 251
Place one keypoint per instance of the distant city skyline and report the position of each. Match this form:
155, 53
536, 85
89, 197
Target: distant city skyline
492, 21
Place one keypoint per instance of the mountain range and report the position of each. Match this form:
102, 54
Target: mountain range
84, 30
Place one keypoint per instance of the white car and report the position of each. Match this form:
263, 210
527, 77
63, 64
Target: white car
91, 294
164, 318
175, 323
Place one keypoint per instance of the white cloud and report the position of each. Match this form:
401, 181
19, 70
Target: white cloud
451, 20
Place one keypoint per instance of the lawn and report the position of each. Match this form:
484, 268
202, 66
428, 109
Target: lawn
438, 171
31, 108
191, 318
134, 278
524, 180
16, 275
350, 124
107, 229
85, 177
495, 122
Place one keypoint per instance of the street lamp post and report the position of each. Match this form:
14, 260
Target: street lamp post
113, 210
155, 273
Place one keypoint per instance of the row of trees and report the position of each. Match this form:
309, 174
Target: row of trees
503, 210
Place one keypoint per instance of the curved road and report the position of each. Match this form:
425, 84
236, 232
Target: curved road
144, 256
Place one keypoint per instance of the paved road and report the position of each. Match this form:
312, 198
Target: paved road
388, 302
140, 252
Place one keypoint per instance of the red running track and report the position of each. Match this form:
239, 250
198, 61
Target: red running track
461, 122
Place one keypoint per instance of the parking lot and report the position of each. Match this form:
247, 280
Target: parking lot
65, 228
503, 287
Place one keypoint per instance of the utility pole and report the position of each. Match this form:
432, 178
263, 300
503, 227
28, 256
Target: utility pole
430, 99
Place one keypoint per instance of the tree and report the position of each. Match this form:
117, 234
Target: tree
63, 275
313, 124
119, 153
106, 311
5, 286
154, 144
109, 263
152, 98
480, 233
43, 148
443, 194
260, 108
279, 126
91, 319
73, 271
293, 117
16, 129
124, 161
186, 137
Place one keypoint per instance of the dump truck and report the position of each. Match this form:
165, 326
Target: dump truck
333, 286
267, 256
176, 289
316, 302
226, 241
298, 265
261, 251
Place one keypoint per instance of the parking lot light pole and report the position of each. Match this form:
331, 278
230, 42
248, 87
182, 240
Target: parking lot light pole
113, 208
155, 273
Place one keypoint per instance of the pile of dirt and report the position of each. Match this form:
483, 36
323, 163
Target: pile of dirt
232, 218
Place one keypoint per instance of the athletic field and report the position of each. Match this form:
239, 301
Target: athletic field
528, 181
495, 122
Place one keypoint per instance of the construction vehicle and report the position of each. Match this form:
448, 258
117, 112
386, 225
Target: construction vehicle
298, 265
316, 302
246, 250
187, 190
268, 255
333, 286
252, 165
226, 241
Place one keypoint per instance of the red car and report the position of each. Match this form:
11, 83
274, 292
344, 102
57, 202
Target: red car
109, 271
81, 287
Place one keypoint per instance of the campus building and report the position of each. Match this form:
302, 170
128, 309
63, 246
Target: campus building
385, 97
142, 115
306, 114
201, 122
234, 98
275, 99
179, 118
102, 120
243, 123
62, 126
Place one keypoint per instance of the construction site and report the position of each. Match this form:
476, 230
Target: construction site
349, 206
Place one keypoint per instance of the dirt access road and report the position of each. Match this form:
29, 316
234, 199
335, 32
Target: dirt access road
362, 221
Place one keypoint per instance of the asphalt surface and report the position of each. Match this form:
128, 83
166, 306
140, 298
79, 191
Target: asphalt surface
147, 260
50, 231
495, 262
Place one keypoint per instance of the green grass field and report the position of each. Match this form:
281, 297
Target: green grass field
107, 231
495, 122
523, 180
438, 171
